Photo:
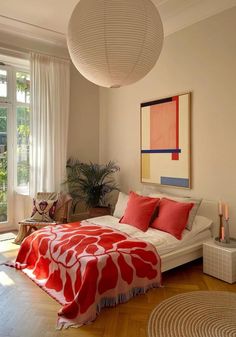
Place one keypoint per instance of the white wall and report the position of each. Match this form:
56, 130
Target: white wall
83, 135
201, 59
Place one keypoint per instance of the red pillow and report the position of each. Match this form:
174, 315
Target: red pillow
172, 217
139, 211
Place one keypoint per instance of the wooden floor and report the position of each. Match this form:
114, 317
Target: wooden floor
27, 311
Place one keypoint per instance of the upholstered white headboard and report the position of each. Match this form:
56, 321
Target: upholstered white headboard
209, 209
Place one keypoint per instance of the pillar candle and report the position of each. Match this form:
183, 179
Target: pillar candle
220, 208
226, 212
222, 234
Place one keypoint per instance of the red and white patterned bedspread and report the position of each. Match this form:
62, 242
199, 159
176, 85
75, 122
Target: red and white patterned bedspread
86, 267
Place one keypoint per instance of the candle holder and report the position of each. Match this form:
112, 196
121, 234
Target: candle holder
224, 238
226, 231
221, 228
231, 244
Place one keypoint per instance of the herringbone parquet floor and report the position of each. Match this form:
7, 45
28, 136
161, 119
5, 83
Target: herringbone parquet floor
27, 311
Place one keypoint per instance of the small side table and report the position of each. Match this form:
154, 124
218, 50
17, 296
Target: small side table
219, 261
99, 211
90, 213
27, 227
78, 217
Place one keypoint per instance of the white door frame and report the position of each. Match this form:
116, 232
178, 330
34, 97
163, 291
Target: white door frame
10, 183
7, 103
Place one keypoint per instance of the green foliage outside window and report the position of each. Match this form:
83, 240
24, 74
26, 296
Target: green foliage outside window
22, 87
3, 164
3, 187
3, 120
23, 133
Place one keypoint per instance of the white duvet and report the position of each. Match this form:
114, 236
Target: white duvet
164, 242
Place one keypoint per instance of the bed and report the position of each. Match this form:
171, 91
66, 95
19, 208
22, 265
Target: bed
173, 252
100, 262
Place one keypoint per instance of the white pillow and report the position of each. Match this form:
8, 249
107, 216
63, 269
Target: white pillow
201, 223
193, 211
121, 205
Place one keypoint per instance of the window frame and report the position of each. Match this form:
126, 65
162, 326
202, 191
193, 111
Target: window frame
10, 159
7, 102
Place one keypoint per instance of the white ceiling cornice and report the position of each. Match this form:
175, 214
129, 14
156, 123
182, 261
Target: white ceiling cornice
175, 14
31, 31
185, 13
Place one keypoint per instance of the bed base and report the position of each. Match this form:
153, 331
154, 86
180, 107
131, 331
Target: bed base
181, 256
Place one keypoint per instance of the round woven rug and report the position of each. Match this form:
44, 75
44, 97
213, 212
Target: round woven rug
195, 314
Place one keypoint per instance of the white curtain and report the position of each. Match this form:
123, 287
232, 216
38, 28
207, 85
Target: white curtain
50, 91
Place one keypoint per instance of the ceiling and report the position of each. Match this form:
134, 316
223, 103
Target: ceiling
47, 20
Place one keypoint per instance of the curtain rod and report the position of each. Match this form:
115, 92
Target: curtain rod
31, 24
25, 52
13, 52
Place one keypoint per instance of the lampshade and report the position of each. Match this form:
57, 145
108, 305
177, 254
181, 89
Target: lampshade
114, 43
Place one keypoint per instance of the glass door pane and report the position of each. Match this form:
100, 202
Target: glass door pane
22, 87
22, 143
3, 164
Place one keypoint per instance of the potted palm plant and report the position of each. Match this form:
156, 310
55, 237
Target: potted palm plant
91, 183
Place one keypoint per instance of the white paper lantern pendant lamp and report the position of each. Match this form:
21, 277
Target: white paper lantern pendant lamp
115, 42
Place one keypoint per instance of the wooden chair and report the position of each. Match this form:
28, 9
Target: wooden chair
61, 216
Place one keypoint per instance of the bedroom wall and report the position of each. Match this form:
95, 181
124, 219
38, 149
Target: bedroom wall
83, 135
200, 59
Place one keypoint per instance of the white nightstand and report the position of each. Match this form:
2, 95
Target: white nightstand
219, 261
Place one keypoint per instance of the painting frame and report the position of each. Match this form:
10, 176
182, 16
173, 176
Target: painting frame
165, 141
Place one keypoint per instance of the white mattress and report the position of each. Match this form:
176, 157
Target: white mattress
164, 242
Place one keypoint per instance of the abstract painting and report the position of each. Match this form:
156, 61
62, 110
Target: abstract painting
165, 141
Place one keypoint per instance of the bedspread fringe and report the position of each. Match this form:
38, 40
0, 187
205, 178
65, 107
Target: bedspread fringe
108, 302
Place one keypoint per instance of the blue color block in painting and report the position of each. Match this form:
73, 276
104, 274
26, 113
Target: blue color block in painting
179, 182
162, 151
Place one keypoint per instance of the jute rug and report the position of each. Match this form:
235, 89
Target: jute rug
195, 314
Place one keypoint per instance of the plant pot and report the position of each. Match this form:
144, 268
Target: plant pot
99, 211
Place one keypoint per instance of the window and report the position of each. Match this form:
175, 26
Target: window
14, 135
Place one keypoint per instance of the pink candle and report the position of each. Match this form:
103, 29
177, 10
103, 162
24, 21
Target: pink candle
226, 212
222, 233
220, 208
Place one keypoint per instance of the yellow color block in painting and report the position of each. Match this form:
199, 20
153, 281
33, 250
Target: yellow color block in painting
146, 165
